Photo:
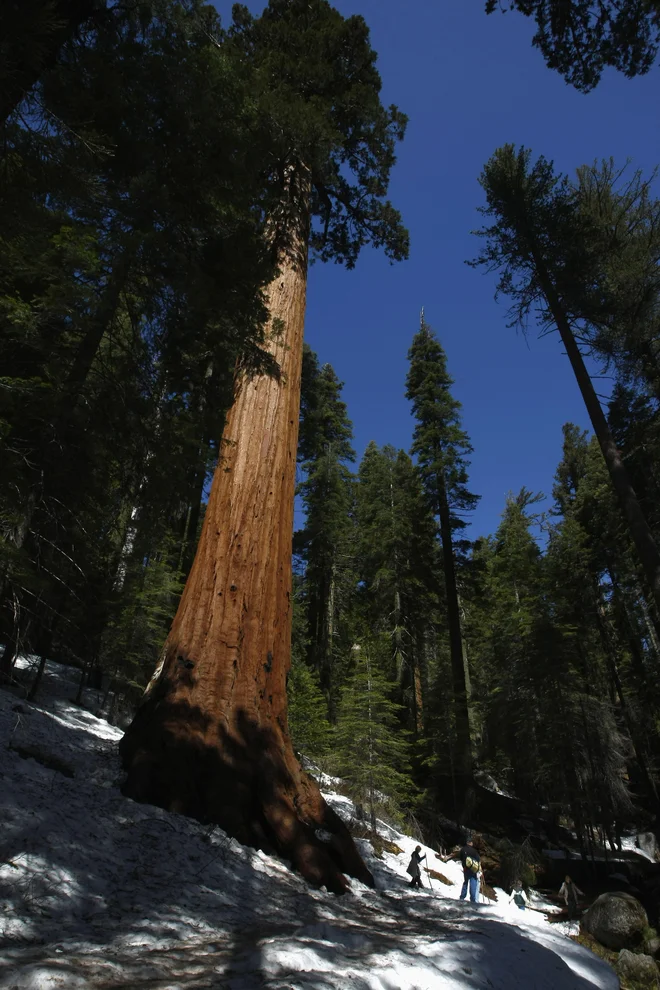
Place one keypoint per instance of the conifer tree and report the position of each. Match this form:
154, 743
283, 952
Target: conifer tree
396, 569
133, 262
211, 737
512, 660
326, 543
307, 711
603, 591
541, 243
441, 447
32, 32
576, 705
371, 749
620, 311
580, 38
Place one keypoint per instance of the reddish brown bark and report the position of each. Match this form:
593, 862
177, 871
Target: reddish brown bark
211, 738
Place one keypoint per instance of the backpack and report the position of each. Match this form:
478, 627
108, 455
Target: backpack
472, 864
519, 900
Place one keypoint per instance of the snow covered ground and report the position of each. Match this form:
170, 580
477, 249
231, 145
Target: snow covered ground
98, 891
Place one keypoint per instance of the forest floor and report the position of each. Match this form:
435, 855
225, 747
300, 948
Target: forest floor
97, 891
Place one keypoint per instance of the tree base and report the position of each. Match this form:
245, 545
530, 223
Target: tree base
244, 778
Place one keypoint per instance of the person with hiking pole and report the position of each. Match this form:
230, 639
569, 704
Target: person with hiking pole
414, 867
471, 863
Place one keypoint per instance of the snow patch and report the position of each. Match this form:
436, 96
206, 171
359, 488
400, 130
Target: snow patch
97, 891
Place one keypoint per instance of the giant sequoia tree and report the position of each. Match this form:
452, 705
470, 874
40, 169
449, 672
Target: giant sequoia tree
211, 737
130, 278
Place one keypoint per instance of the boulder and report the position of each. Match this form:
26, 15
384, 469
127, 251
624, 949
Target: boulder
648, 843
652, 947
617, 920
640, 969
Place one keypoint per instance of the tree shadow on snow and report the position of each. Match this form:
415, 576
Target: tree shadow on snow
136, 896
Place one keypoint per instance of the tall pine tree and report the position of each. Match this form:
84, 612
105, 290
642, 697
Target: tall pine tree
441, 447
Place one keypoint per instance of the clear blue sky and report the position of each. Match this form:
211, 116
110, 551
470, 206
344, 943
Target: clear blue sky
469, 83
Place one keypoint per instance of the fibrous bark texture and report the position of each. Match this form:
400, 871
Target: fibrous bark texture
210, 739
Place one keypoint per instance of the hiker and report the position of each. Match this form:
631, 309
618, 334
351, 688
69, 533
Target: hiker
518, 895
413, 867
570, 892
471, 863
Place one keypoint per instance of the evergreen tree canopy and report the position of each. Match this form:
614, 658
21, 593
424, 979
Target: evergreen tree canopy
372, 750
441, 446
549, 263
131, 283
439, 442
580, 38
316, 81
325, 545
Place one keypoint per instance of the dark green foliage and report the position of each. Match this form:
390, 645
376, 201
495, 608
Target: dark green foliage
397, 570
142, 186
372, 752
440, 444
580, 38
308, 713
133, 259
314, 74
32, 34
441, 447
620, 311
554, 259
325, 547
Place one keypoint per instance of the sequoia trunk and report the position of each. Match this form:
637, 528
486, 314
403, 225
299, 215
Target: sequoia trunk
210, 739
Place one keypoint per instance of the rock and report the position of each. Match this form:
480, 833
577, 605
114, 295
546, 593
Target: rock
652, 947
616, 920
647, 842
639, 968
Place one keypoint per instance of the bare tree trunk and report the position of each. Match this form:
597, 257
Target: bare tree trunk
417, 663
608, 640
458, 666
38, 677
211, 739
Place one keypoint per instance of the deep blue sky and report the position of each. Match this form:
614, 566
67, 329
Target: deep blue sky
469, 83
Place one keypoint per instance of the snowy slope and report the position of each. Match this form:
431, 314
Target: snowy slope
97, 891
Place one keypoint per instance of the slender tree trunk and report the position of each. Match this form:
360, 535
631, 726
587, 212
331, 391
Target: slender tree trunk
9, 656
607, 639
211, 739
98, 327
38, 677
418, 697
461, 709
638, 526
